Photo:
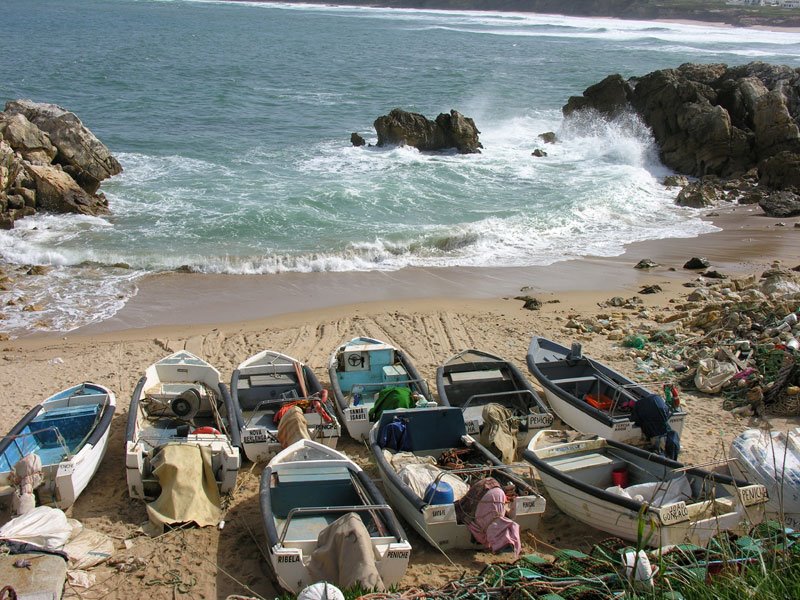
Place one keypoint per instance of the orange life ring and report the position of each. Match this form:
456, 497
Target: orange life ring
201, 430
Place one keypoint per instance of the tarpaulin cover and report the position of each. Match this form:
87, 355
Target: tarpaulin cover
42, 526
390, 398
344, 555
293, 427
418, 472
499, 433
189, 490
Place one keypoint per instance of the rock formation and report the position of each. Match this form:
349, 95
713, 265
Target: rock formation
714, 121
448, 131
49, 161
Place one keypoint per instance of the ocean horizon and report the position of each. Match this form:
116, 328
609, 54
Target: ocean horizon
232, 121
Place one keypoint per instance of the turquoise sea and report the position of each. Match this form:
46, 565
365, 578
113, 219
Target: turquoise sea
232, 121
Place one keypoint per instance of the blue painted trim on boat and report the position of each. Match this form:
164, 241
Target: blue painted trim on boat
133, 409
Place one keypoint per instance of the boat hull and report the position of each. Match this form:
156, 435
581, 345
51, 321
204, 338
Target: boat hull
620, 430
382, 365
674, 504
433, 431
65, 479
261, 386
153, 421
473, 378
571, 384
306, 474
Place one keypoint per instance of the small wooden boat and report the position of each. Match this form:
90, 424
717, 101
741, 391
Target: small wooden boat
611, 486
587, 395
69, 433
308, 486
436, 433
180, 400
265, 383
359, 370
473, 378
772, 458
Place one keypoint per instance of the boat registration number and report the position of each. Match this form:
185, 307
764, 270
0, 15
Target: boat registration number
288, 558
473, 426
358, 414
65, 468
526, 505
753, 494
674, 513
255, 436
538, 421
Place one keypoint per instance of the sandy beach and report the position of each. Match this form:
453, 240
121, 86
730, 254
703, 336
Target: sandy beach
432, 314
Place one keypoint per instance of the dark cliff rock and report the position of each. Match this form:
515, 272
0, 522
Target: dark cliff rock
712, 119
448, 131
49, 161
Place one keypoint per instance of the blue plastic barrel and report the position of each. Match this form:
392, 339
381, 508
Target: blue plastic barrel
438, 494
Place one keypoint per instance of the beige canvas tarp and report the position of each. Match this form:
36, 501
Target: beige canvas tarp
189, 490
293, 427
499, 433
344, 555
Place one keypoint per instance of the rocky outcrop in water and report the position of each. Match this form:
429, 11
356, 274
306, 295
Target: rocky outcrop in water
49, 161
734, 127
711, 119
452, 130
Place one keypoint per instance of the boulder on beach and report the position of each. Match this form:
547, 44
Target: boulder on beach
453, 130
50, 161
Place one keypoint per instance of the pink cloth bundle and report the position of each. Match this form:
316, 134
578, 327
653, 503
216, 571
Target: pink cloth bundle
491, 527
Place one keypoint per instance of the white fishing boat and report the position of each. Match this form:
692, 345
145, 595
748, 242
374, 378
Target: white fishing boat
425, 494
589, 396
68, 432
772, 458
360, 370
269, 381
180, 400
304, 489
473, 378
613, 487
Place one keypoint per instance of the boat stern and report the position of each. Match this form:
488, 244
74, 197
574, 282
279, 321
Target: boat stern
393, 561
